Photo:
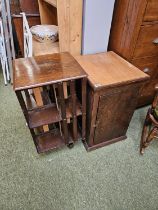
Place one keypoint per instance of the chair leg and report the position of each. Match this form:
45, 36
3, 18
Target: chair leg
153, 134
145, 133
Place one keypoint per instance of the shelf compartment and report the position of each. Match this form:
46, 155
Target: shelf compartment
43, 116
52, 2
69, 108
49, 141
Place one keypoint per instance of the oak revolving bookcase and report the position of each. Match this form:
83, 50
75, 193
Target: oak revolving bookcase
62, 116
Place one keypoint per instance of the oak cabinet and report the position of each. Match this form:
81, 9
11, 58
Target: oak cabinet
112, 96
134, 36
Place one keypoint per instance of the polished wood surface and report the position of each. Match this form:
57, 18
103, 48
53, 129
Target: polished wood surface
145, 45
133, 31
151, 13
42, 70
106, 69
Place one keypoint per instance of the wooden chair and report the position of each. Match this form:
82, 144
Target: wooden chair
150, 129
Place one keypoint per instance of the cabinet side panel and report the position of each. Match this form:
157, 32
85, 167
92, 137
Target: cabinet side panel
48, 13
128, 16
118, 23
92, 107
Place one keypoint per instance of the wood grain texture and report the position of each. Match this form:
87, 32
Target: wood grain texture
115, 111
63, 12
39, 102
67, 13
106, 69
145, 45
112, 93
46, 69
134, 28
126, 23
92, 108
52, 2
151, 13
75, 29
109, 111
48, 13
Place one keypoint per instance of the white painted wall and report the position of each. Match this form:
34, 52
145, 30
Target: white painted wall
97, 17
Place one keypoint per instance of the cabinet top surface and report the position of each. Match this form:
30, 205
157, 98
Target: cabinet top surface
109, 69
46, 69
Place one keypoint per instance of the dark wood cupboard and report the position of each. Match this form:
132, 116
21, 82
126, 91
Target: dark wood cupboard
112, 95
115, 110
134, 36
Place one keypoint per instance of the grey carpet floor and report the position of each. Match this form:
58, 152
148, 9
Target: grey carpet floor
115, 177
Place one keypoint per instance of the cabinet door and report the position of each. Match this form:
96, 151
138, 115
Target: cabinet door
114, 113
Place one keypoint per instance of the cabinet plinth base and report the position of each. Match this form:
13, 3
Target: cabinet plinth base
91, 148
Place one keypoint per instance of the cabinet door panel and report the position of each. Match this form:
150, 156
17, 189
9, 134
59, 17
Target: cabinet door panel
114, 113
151, 13
147, 43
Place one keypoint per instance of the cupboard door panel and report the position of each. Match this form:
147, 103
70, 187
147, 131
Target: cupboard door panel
151, 13
114, 113
147, 43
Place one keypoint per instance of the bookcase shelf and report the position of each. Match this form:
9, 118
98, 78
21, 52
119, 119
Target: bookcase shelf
49, 141
52, 2
55, 78
43, 116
